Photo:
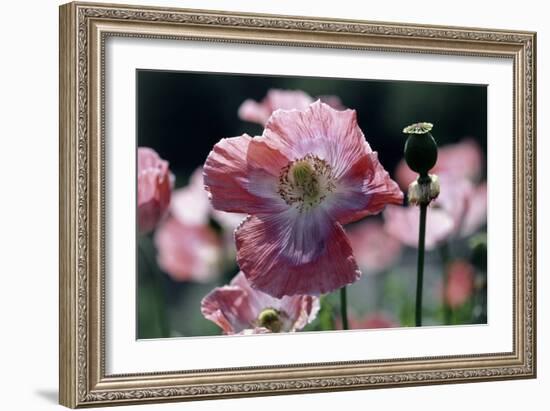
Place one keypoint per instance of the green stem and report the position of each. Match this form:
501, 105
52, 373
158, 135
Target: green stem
344, 307
445, 258
156, 277
420, 267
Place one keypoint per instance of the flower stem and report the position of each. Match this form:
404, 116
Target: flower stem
344, 307
155, 282
445, 258
420, 267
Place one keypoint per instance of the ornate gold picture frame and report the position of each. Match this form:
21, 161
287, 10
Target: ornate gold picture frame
84, 30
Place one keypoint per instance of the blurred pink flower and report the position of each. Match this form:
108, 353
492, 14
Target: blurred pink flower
370, 321
374, 249
462, 160
310, 172
333, 101
191, 205
154, 187
459, 211
460, 283
476, 214
276, 99
188, 252
376, 320
239, 309
188, 248
403, 224
465, 203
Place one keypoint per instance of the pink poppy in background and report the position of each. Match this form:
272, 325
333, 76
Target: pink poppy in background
239, 309
188, 248
191, 205
310, 172
465, 203
462, 160
374, 249
460, 283
370, 321
403, 223
476, 214
154, 187
377, 320
276, 99
459, 211
188, 252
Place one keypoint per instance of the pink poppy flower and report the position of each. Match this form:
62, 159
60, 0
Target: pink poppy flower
310, 172
465, 203
459, 161
460, 283
275, 99
374, 249
370, 321
179, 242
476, 214
403, 224
239, 309
188, 252
154, 187
377, 320
458, 212
191, 205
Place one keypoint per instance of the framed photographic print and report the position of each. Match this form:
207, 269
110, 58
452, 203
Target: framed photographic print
258, 204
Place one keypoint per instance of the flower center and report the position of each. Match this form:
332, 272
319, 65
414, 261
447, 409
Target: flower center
270, 318
305, 183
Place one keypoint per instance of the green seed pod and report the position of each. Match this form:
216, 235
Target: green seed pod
420, 148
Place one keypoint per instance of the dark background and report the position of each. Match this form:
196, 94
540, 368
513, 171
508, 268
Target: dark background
182, 114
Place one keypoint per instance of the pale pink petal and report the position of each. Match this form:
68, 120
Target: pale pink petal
476, 214
364, 190
403, 224
374, 249
229, 308
460, 283
300, 310
154, 188
240, 173
285, 254
462, 160
188, 252
319, 130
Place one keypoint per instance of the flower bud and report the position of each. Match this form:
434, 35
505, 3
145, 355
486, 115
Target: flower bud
420, 148
423, 191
